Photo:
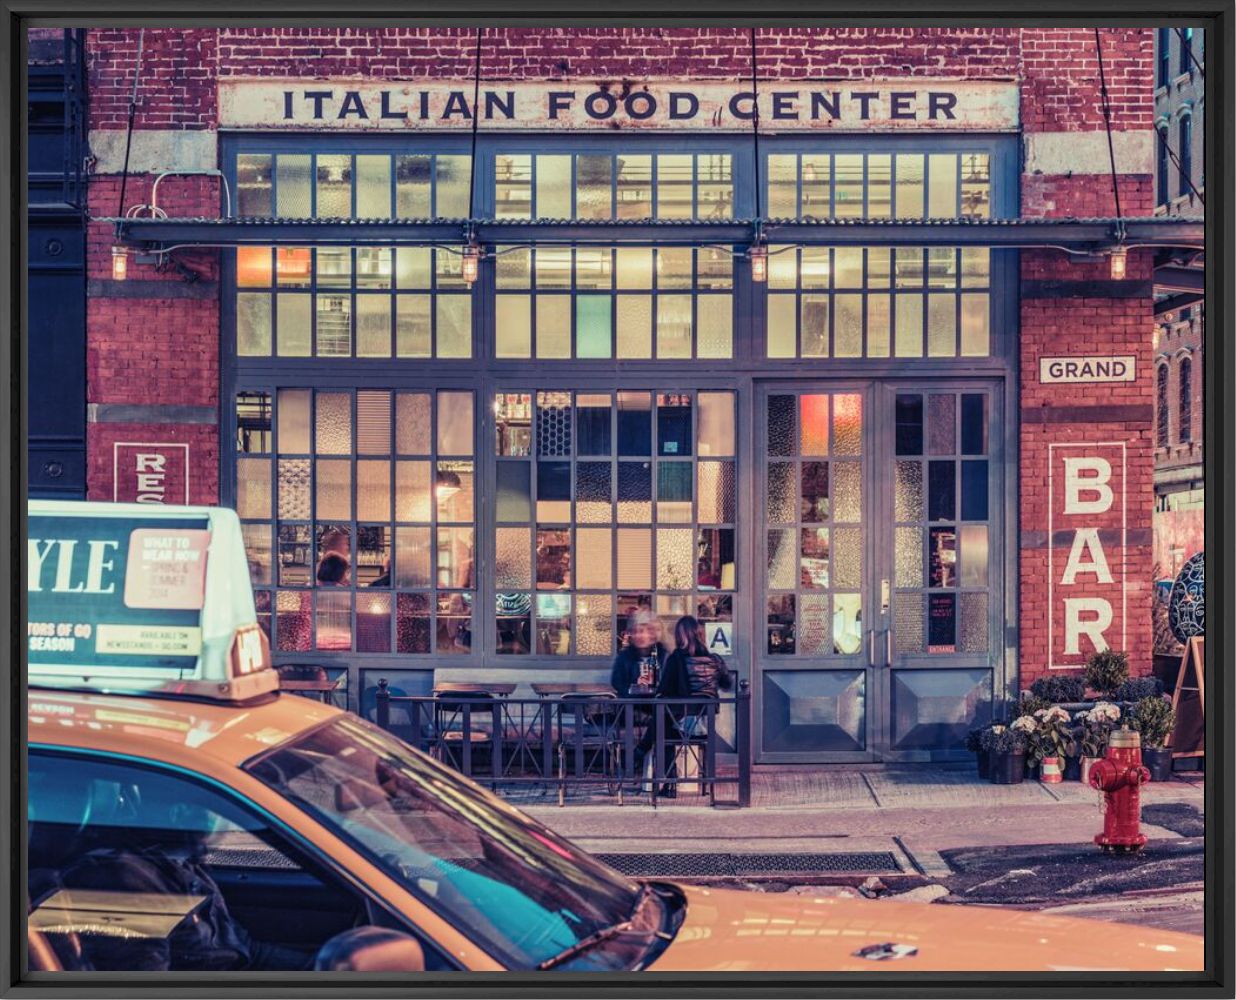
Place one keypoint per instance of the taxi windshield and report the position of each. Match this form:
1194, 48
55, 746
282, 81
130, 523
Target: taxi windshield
509, 884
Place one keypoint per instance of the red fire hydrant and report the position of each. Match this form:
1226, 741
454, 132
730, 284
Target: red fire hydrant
1120, 776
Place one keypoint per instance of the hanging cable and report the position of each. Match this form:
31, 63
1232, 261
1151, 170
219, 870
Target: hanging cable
1187, 46
128, 139
755, 124
1107, 120
476, 119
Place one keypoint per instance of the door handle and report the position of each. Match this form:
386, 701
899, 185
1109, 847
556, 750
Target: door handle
871, 634
888, 647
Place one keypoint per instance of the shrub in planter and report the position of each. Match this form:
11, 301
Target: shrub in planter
1031, 703
1008, 751
1106, 671
1154, 719
1137, 688
1063, 689
1092, 730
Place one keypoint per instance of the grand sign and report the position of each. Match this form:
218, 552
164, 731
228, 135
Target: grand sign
784, 105
1087, 534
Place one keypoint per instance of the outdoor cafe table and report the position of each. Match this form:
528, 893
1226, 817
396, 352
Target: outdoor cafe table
558, 688
500, 688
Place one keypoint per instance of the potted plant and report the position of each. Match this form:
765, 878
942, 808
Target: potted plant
1106, 671
1095, 726
1007, 745
1154, 719
1060, 689
1051, 741
975, 744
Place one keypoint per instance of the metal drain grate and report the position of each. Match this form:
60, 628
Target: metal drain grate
745, 865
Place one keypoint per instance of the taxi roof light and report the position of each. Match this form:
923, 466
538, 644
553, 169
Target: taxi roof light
120, 603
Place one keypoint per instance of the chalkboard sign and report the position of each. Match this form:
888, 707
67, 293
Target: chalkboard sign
1188, 737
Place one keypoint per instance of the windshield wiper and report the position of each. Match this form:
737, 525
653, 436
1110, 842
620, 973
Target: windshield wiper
604, 934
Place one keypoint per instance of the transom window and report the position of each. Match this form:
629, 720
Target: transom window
626, 185
333, 185
878, 185
343, 302
608, 501
358, 512
623, 302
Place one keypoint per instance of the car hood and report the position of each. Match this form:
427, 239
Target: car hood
733, 931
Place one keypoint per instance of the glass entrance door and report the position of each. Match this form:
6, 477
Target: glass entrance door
882, 583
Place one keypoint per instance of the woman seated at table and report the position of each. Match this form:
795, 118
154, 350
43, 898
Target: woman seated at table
642, 656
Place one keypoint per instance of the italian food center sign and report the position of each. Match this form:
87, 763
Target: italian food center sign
443, 105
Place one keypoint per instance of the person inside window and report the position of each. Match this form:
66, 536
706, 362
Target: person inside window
638, 664
334, 570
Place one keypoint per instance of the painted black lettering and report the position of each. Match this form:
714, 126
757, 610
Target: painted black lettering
692, 108
352, 105
830, 103
424, 112
942, 102
783, 105
900, 101
864, 98
287, 105
608, 100
494, 102
456, 106
386, 107
647, 108
737, 112
318, 96
559, 100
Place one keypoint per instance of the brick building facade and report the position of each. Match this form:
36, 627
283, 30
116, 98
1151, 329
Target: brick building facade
163, 365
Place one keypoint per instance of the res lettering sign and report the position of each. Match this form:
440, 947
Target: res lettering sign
1086, 562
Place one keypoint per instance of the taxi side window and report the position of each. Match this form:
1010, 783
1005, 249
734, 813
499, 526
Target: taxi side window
136, 869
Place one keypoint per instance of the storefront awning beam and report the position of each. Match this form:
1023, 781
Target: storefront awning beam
1080, 235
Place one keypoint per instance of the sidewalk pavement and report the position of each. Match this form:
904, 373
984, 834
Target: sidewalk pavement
914, 812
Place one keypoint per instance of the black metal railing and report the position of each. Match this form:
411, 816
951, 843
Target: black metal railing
580, 740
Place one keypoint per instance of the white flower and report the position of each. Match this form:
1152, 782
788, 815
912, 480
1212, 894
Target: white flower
1026, 723
1082, 716
1105, 711
1056, 714
1040, 714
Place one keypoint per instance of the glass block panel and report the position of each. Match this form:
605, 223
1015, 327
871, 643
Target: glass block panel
253, 324
553, 187
373, 326
293, 186
634, 267
782, 193
814, 565
942, 186
412, 557
941, 424
293, 325
941, 490
293, 500
634, 326
253, 185
333, 620
454, 326
634, 492
412, 491
593, 492
594, 629
847, 557
675, 558
717, 491
847, 424
553, 558
413, 326
553, 423
451, 174
514, 491
334, 187
373, 623
975, 325
715, 561
594, 558
815, 502
781, 625
715, 338
813, 325
782, 325
513, 559
513, 326
373, 490
715, 433
847, 491
593, 187
816, 631
781, 559
908, 492
253, 487
333, 423
634, 558
454, 423
848, 326
975, 267
674, 326
413, 267
909, 557
973, 623
412, 628
781, 425
908, 337
333, 482
782, 497
908, 631
373, 187
878, 319
941, 325
973, 555
293, 620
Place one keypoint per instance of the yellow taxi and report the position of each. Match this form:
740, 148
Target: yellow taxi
185, 816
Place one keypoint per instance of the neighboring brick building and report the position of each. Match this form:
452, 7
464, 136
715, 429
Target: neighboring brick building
979, 514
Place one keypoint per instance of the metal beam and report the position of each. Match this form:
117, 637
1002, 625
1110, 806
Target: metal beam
1081, 235
1174, 302
1171, 278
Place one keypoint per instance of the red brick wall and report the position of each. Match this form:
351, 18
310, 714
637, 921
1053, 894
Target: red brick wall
202, 439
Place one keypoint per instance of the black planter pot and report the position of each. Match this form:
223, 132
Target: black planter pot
983, 759
1158, 761
1008, 768
1072, 769
1031, 769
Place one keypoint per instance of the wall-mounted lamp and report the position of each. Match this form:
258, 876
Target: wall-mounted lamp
120, 263
1119, 263
471, 266
758, 256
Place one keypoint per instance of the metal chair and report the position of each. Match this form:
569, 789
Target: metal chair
593, 738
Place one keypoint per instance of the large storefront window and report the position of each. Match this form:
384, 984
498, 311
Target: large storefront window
608, 501
603, 302
358, 510
626, 185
